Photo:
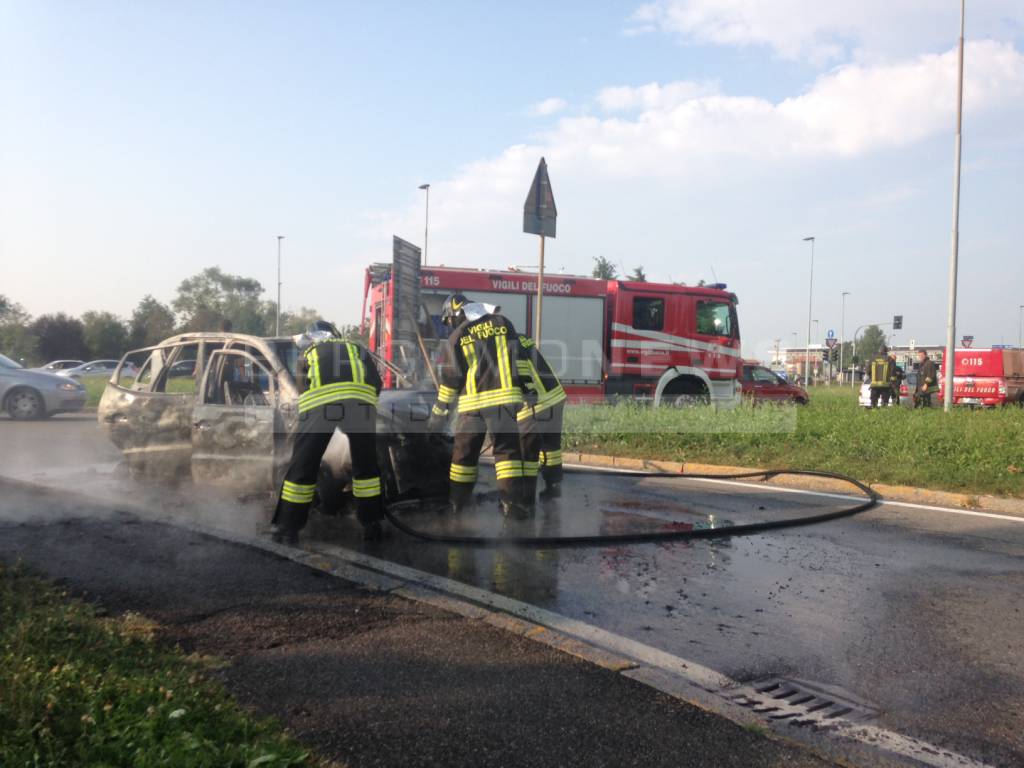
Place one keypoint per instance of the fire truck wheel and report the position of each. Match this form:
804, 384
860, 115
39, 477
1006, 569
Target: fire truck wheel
686, 400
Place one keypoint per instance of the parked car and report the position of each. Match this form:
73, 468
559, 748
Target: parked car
221, 409
95, 368
907, 388
762, 385
27, 394
59, 365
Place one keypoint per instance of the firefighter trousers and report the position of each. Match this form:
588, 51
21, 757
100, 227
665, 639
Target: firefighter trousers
541, 433
470, 430
880, 393
358, 420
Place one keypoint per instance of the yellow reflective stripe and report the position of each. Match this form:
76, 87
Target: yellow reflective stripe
447, 394
366, 488
501, 344
313, 363
438, 410
342, 390
297, 492
551, 458
531, 468
524, 367
358, 374
460, 473
513, 396
469, 352
507, 469
553, 397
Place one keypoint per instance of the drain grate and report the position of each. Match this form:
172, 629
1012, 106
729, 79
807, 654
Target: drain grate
800, 702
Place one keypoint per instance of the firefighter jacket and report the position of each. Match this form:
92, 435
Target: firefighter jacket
480, 369
928, 379
333, 370
542, 388
881, 372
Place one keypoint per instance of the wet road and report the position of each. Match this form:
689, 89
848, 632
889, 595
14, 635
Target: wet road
919, 613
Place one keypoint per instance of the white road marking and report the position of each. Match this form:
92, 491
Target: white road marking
822, 494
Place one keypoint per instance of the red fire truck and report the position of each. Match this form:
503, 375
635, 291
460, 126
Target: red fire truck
668, 344
987, 377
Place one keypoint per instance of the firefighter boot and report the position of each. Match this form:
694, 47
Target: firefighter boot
280, 534
551, 491
460, 496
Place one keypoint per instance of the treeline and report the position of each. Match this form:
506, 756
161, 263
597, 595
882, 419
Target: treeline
209, 301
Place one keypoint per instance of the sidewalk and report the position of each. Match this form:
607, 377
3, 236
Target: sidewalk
367, 678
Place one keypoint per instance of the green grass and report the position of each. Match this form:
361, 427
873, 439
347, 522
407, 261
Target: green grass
973, 451
79, 690
94, 386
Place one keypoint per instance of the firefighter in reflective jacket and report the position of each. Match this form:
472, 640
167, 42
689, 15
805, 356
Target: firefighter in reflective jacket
339, 384
540, 420
480, 373
881, 375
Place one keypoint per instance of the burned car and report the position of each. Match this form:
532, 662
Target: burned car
221, 409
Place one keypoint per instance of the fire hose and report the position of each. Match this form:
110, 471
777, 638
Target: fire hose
871, 500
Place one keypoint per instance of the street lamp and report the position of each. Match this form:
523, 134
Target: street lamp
1020, 328
426, 222
810, 304
842, 336
955, 239
277, 323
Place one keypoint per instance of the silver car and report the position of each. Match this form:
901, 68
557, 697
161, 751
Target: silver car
28, 394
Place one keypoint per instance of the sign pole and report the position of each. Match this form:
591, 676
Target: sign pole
947, 395
540, 294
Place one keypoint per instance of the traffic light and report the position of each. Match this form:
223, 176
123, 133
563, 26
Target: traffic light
824, 355
834, 354
897, 322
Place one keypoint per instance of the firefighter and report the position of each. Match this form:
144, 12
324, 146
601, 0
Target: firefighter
339, 384
481, 373
896, 377
927, 380
540, 421
881, 387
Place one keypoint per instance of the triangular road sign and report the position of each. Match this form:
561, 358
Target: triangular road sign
539, 212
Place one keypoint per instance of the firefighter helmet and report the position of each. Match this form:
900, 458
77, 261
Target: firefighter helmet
321, 327
453, 311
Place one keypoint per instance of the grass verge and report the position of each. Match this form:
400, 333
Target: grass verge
76, 689
973, 451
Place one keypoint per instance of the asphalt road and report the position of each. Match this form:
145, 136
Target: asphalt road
915, 612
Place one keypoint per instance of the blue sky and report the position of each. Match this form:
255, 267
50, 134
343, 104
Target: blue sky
142, 143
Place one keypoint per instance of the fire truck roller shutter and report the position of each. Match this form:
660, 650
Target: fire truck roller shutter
573, 340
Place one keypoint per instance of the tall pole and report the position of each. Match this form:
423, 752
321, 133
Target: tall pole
810, 306
540, 295
426, 222
277, 323
842, 336
955, 247
1020, 327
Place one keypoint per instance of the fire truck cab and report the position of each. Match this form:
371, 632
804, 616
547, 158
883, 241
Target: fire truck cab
662, 343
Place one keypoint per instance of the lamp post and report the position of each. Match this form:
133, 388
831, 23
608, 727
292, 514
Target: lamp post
842, 336
1020, 328
795, 342
955, 239
810, 305
426, 221
277, 323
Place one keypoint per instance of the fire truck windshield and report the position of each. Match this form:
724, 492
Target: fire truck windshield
714, 318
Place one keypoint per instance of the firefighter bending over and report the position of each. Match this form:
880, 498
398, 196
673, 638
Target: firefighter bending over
540, 421
481, 372
339, 384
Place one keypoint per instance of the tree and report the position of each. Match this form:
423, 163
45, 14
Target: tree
604, 269
105, 334
869, 343
638, 275
296, 322
59, 337
206, 300
16, 340
151, 323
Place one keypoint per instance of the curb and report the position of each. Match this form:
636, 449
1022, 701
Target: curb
906, 493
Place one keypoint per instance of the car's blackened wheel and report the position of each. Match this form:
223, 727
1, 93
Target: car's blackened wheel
25, 404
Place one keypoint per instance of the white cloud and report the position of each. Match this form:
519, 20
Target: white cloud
686, 133
621, 98
549, 106
829, 30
